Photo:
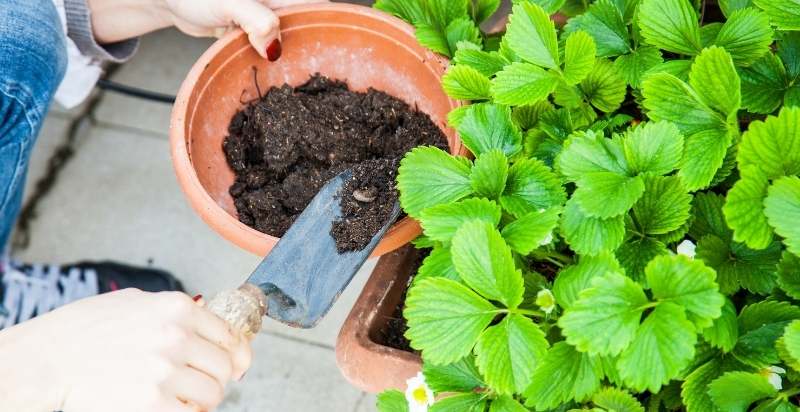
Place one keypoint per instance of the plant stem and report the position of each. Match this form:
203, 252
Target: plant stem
527, 312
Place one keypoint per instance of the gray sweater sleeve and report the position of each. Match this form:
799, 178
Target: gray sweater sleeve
79, 29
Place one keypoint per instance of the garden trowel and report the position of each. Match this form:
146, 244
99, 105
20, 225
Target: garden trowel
304, 274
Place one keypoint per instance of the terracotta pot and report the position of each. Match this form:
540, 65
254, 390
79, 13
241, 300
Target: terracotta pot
357, 44
363, 359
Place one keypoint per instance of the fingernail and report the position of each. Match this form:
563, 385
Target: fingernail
274, 50
241, 377
198, 297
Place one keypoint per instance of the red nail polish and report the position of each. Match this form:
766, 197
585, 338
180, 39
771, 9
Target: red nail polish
198, 297
274, 50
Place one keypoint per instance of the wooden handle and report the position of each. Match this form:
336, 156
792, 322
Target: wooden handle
242, 308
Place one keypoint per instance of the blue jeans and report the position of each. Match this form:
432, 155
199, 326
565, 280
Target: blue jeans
33, 59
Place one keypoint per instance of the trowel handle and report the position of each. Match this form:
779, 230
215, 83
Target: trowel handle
242, 308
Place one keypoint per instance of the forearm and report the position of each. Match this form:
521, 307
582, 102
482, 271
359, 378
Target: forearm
28, 380
117, 20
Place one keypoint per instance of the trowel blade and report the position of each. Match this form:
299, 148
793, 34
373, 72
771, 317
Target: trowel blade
304, 274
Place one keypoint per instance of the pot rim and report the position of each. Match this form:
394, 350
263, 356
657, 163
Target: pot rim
209, 210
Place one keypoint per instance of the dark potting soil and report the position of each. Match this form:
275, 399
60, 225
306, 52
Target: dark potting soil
286, 145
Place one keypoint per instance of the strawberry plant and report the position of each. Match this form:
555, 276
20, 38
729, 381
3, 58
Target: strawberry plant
627, 232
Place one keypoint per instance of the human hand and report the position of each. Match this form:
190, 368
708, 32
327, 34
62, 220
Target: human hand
215, 17
131, 351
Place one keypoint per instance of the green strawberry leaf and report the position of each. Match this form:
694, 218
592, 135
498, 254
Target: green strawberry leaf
669, 98
635, 254
588, 152
773, 145
744, 209
782, 208
549, 6
606, 195
662, 348
694, 390
439, 263
632, 67
489, 174
603, 88
655, 147
445, 319
614, 399
483, 9
429, 176
708, 217
760, 325
605, 23
465, 83
789, 274
736, 264
432, 38
532, 35
465, 402
736, 391
408, 10
746, 35
716, 82
484, 262
507, 354
441, 222
563, 375
764, 84
789, 50
532, 230
730, 6
664, 207
791, 343
579, 57
506, 404
531, 186
724, 332
588, 235
704, 157
392, 401
688, 283
606, 316
670, 25
486, 126
575, 278
520, 84
485, 63
461, 376
782, 13
462, 30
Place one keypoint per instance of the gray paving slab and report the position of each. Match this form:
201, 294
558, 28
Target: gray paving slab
287, 376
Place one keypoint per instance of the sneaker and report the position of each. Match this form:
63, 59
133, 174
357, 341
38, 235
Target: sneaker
27, 291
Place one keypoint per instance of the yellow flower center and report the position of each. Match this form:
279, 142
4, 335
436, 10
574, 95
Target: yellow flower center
420, 396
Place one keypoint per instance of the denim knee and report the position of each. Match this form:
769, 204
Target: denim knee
33, 59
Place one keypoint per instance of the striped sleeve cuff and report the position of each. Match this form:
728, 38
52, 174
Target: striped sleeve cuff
79, 29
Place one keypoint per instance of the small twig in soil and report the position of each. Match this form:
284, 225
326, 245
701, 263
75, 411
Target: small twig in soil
255, 80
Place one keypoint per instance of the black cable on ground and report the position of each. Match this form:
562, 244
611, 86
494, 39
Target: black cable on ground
109, 85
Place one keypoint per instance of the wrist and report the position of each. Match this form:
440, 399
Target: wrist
117, 20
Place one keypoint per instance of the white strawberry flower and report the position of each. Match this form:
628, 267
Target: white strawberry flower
546, 301
773, 375
418, 395
687, 248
